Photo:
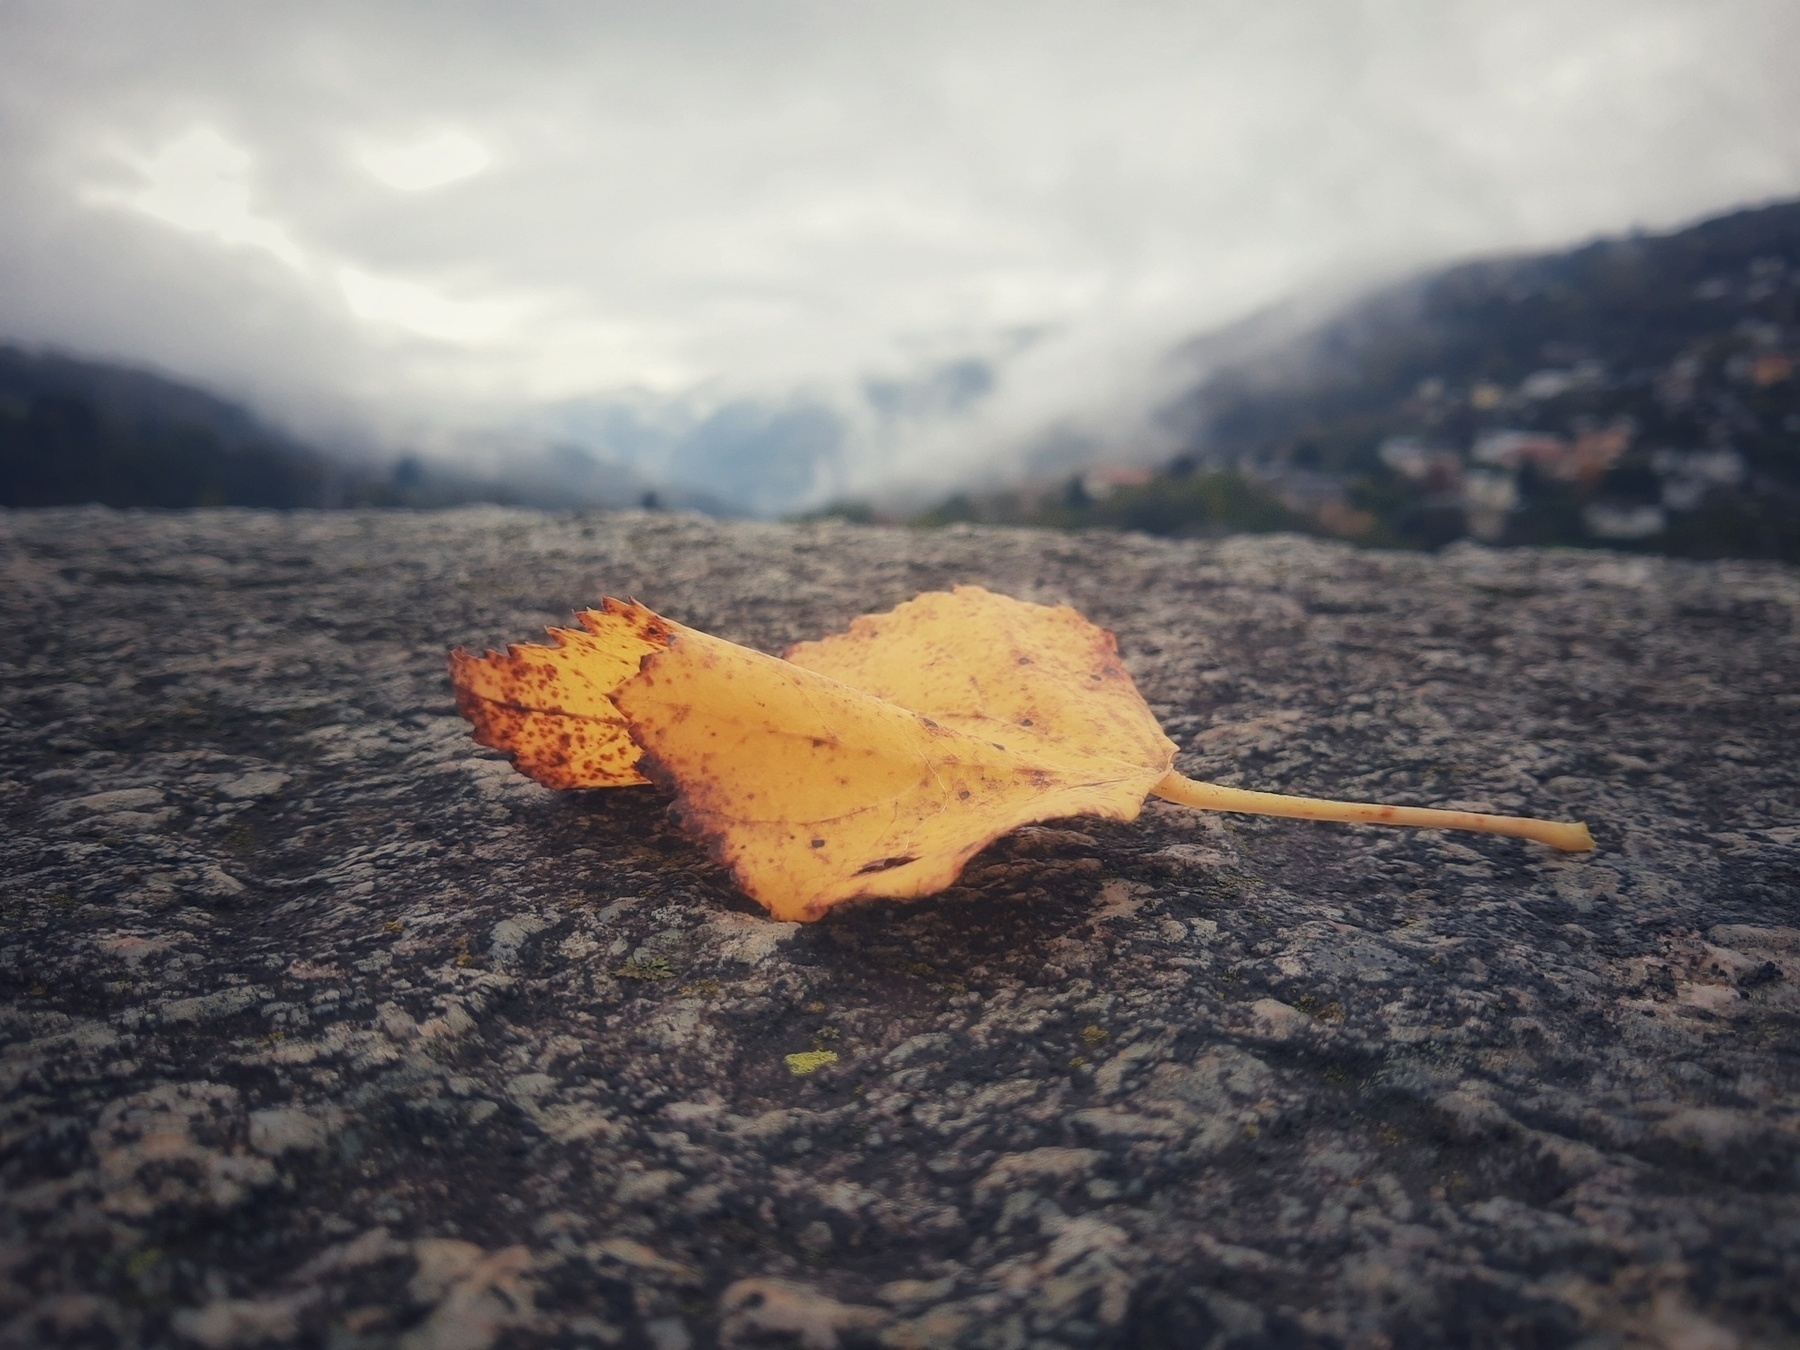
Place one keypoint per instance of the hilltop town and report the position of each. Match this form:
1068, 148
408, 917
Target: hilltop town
1640, 393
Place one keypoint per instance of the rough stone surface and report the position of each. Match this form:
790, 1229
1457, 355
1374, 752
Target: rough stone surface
323, 1026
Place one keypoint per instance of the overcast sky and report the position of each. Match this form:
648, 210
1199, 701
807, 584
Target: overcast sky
422, 219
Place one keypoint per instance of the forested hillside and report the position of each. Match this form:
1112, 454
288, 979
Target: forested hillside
1635, 390
77, 431
1640, 392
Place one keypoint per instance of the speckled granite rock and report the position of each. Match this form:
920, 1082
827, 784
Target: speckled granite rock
322, 1026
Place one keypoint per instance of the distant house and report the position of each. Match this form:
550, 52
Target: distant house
1434, 468
1323, 498
1543, 384
1771, 368
1609, 520
1488, 498
1593, 453
1583, 460
1101, 483
1511, 449
1688, 475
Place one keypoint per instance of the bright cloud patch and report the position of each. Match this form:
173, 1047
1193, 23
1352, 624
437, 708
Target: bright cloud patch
418, 166
202, 182
422, 310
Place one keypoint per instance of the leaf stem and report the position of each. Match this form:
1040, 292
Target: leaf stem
1570, 837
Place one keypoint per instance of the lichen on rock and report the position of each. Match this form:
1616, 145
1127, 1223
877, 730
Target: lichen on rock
314, 1026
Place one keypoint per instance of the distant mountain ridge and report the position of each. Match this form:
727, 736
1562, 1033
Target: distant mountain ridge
140, 398
74, 431
1641, 392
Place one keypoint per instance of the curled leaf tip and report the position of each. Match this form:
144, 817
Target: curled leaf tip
550, 707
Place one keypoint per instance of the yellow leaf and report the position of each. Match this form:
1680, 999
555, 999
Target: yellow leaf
810, 1061
873, 763
814, 792
1027, 676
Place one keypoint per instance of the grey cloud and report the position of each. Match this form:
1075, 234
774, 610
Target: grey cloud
803, 221
951, 388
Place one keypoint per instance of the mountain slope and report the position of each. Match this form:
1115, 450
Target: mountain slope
75, 431
1641, 392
